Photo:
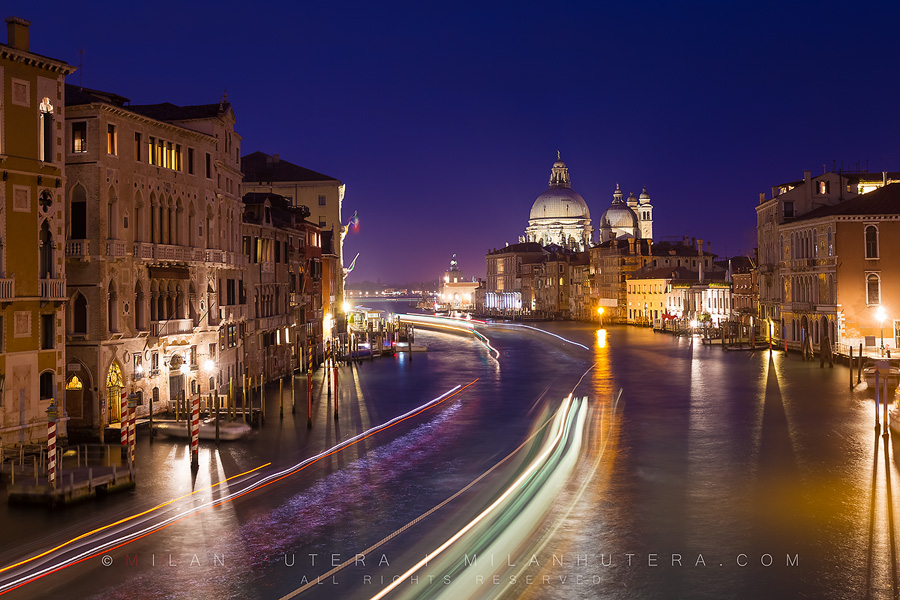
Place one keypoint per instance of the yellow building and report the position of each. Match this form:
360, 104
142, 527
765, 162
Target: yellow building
32, 220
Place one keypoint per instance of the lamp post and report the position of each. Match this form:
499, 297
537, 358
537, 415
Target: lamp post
600, 315
880, 315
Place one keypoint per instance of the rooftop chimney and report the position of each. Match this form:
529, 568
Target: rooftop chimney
17, 33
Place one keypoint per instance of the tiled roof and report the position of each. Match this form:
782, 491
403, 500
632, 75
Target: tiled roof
76, 95
883, 201
260, 167
171, 112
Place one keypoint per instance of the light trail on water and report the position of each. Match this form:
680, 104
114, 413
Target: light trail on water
50, 565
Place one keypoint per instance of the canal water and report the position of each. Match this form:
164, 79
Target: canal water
701, 474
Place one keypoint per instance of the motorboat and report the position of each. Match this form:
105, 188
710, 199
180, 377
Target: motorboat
228, 430
888, 368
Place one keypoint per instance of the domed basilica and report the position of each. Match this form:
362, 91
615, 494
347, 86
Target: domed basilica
560, 215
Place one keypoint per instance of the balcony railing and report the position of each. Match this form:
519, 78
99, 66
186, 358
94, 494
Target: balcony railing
7, 289
216, 256
143, 250
172, 327
53, 289
78, 248
115, 248
169, 252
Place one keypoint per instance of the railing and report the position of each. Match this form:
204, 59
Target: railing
53, 289
115, 248
197, 254
217, 256
172, 327
143, 250
169, 252
7, 289
78, 248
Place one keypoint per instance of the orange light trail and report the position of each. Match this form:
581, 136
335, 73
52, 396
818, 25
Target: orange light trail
198, 510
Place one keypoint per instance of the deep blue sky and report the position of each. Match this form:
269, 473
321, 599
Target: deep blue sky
444, 120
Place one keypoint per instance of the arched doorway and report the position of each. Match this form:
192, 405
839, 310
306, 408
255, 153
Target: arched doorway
114, 387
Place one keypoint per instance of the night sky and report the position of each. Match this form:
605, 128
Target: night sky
444, 120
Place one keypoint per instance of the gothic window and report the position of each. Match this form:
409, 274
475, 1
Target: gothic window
871, 241
112, 308
46, 252
79, 315
78, 216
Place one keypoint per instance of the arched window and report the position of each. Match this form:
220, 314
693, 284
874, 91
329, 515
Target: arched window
871, 241
830, 243
48, 388
873, 289
46, 252
140, 322
79, 314
112, 308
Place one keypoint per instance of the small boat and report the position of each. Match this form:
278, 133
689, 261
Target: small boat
228, 430
894, 418
889, 368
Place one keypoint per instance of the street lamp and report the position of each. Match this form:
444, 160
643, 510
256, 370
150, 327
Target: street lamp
880, 315
600, 315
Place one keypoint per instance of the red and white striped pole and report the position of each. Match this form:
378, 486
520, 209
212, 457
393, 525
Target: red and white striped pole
337, 395
52, 414
309, 370
123, 420
195, 431
132, 429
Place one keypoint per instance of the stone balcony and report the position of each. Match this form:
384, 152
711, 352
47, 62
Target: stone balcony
52, 289
172, 327
79, 249
7, 289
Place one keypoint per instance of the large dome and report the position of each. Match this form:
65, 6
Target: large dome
618, 215
560, 203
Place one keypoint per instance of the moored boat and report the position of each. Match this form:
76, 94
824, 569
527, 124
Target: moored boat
888, 368
228, 430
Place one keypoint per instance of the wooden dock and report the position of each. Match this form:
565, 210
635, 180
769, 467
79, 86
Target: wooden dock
73, 485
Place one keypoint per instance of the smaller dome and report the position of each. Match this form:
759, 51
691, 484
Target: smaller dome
645, 195
559, 163
618, 216
631, 199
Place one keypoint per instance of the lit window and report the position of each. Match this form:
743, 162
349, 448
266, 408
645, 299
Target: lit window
79, 137
111, 139
46, 149
151, 157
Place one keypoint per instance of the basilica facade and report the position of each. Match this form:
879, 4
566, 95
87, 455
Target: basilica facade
561, 217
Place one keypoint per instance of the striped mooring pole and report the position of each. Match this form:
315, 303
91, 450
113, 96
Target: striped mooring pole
52, 415
132, 425
309, 370
195, 431
123, 421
